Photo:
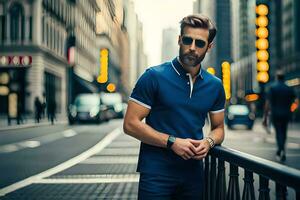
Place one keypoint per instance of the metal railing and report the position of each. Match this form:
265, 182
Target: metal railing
215, 176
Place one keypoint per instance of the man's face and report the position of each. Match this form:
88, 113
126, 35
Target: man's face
193, 45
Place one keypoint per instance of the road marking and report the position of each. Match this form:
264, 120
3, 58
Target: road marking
111, 160
65, 165
36, 141
31, 144
104, 178
69, 133
88, 180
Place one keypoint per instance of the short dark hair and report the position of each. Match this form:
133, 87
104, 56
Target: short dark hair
199, 21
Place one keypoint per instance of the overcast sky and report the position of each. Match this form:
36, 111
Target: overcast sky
157, 15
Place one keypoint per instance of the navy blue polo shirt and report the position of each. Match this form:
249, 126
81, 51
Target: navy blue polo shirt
177, 107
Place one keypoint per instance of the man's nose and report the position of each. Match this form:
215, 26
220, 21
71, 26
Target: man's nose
193, 46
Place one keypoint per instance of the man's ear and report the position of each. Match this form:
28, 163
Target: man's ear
210, 46
179, 39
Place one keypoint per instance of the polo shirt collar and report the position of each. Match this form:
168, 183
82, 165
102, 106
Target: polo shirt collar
180, 70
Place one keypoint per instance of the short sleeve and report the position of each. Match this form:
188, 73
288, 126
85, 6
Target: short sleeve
219, 103
145, 89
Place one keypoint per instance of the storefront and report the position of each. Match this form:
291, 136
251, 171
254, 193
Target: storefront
13, 70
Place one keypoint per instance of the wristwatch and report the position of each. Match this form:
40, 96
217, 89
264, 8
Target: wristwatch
170, 142
210, 141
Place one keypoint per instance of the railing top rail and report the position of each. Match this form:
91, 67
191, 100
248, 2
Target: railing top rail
274, 171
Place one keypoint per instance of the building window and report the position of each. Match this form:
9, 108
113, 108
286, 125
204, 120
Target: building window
16, 22
30, 28
2, 28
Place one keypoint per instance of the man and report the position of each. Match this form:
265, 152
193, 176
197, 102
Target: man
175, 98
279, 100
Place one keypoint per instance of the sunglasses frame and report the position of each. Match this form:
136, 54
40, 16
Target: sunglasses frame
198, 42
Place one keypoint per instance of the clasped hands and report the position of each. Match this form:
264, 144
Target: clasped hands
191, 149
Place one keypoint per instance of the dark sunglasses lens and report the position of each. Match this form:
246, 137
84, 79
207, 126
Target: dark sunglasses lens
187, 40
200, 43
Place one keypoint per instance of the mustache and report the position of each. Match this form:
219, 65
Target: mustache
190, 54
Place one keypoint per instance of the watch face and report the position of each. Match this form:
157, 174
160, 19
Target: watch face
172, 139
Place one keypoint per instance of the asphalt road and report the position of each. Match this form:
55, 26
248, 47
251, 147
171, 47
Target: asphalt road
29, 151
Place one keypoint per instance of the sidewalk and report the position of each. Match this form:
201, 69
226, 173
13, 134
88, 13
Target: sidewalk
29, 122
293, 133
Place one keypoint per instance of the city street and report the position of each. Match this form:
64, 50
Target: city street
96, 161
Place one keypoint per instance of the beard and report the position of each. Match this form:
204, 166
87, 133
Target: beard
190, 59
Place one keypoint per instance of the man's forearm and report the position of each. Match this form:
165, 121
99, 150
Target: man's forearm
217, 134
145, 133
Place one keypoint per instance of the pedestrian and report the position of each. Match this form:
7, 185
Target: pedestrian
19, 113
51, 111
279, 100
175, 98
38, 109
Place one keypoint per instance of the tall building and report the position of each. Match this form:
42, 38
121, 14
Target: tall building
219, 12
82, 50
47, 50
32, 54
285, 41
169, 44
112, 36
120, 31
243, 67
138, 59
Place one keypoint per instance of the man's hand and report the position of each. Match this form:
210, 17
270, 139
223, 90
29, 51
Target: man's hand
202, 148
185, 148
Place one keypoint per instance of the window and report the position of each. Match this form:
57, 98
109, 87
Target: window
17, 19
30, 28
2, 28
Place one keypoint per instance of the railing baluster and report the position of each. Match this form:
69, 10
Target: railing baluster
206, 178
297, 194
281, 192
212, 178
221, 181
248, 192
264, 191
233, 187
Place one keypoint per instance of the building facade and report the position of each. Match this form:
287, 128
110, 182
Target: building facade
219, 12
44, 46
169, 44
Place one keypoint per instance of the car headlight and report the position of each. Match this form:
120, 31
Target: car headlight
251, 116
118, 108
94, 112
230, 116
73, 111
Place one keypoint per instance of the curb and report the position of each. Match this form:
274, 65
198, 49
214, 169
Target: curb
31, 125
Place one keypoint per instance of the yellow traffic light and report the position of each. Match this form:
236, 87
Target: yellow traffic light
262, 32
262, 21
111, 87
262, 44
262, 9
225, 64
263, 66
211, 70
262, 55
103, 75
226, 78
262, 77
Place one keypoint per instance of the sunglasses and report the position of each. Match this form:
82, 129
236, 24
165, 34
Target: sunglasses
188, 41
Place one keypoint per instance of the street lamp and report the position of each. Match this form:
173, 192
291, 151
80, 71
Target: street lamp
262, 43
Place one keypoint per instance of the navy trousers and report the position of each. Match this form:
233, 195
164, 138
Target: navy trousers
163, 187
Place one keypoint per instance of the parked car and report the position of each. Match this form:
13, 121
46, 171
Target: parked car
88, 107
239, 114
114, 103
